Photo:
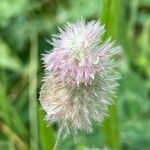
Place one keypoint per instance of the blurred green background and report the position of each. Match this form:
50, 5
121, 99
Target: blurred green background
24, 26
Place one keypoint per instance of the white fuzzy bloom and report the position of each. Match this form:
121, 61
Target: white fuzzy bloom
80, 78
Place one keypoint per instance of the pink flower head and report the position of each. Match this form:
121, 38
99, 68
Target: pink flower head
80, 77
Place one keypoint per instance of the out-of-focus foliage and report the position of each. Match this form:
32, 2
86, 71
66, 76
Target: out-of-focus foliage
24, 25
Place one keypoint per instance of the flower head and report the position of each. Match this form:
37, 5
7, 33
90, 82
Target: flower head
80, 78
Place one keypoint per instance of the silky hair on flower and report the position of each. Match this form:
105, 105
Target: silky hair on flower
80, 77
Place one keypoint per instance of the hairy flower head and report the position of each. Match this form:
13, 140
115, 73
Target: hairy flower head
80, 77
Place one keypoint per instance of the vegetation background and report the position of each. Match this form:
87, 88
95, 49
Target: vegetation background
24, 25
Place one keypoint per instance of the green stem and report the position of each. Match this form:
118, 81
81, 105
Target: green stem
115, 26
33, 68
59, 140
111, 129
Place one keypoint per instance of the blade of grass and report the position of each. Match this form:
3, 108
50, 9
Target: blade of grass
111, 18
33, 67
7, 109
46, 133
111, 129
6, 145
13, 136
134, 9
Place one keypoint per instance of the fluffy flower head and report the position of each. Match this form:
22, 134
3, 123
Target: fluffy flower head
79, 77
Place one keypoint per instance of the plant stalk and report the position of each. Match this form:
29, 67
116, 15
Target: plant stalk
33, 68
59, 139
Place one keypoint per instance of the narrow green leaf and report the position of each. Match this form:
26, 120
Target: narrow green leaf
9, 60
47, 136
33, 68
111, 18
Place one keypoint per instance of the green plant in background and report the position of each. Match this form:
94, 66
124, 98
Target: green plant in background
127, 21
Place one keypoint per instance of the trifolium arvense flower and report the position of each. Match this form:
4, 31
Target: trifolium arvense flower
80, 77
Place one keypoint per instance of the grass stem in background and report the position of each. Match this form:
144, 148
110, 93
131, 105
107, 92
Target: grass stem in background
111, 18
13, 136
33, 66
